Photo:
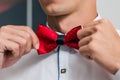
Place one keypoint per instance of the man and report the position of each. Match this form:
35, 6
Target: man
98, 41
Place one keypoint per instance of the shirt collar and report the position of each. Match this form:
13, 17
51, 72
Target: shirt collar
97, 18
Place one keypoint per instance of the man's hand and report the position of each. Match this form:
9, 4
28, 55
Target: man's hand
15, 41
99, 41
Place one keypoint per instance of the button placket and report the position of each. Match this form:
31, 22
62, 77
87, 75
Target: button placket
64, 55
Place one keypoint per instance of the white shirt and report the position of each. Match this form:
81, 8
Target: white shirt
65, 64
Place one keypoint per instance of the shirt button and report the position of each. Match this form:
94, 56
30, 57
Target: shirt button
63, 71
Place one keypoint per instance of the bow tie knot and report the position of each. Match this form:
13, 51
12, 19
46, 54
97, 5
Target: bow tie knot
49, 39
60, 39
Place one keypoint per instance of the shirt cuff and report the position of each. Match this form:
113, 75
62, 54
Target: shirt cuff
116, 76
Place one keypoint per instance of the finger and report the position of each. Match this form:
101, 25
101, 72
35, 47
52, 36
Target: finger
87, 56
34, 38
28, 47
85, 32
14, 31
18, 31
11, 49
1, 59
85, 41
86, 52
25, 42
17, 39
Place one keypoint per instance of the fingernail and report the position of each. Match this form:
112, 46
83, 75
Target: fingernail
37, 46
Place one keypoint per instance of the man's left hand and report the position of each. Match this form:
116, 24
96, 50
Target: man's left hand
100, 41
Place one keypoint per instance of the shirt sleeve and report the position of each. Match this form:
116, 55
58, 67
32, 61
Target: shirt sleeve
116, 76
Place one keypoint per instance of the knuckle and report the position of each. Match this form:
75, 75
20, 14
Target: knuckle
92, 49
80, 50
16, 50
1, 34
8, 26
28, 36
78, 33
97, 27
27, 51
91, 46
27, 28
23, 42
93, 36
79, 43
3, 28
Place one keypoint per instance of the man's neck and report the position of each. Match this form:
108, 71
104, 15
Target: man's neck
65, 23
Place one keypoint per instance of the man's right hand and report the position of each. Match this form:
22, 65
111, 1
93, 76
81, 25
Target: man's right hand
15, 41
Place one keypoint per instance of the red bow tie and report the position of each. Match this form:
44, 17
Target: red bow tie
50, 39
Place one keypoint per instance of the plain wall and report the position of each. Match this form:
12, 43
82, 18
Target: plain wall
110, 9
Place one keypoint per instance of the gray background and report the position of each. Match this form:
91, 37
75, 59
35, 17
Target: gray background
110, 9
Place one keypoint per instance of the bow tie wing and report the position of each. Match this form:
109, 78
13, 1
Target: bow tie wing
71, 39
47, 39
